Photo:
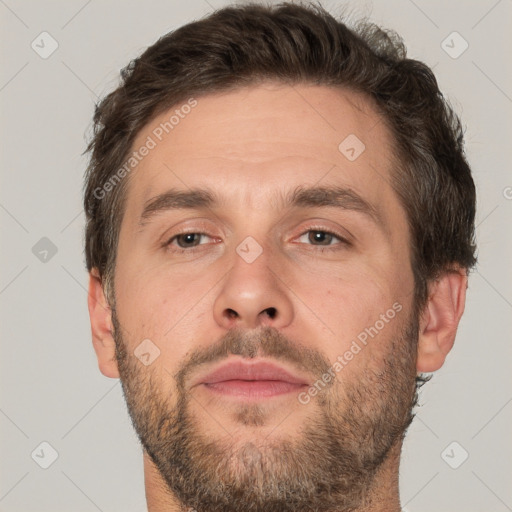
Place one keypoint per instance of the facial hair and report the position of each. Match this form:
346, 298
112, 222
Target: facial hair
330, 466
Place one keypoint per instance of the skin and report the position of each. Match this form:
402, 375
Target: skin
252, 146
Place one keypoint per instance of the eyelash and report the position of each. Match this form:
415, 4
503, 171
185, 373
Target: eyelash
323, 248
335, 247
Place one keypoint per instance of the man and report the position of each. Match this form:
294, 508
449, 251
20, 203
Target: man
280, 224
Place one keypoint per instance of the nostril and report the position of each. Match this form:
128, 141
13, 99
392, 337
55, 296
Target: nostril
232, 313
271, 312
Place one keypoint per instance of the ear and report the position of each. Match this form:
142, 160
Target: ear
440, 319
100, 316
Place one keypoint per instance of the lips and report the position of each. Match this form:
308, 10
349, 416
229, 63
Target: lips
251, 380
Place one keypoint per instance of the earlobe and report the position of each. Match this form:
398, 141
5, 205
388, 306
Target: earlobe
100, 316
440, 319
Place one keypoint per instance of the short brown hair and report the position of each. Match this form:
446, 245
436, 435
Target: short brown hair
240, 46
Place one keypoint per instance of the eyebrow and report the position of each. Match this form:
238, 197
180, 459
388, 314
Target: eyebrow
300, 197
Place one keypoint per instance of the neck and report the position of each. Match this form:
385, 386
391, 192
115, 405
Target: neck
158, 496
383, 497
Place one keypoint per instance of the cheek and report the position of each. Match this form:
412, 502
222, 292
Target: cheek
363, 313
357, 290
164, 309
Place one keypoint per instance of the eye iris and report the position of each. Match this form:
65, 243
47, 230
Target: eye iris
320, 236
187, 237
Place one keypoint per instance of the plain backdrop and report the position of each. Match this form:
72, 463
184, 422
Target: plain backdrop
51, 389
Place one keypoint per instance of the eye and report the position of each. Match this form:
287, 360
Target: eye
186, 241
322, 238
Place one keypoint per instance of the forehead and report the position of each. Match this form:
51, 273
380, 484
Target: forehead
254, 142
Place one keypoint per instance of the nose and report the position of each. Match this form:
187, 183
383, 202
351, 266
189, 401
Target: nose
254, 294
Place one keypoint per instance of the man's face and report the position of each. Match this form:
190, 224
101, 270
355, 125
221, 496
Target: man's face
313, 287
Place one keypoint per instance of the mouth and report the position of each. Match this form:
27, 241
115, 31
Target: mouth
254, 380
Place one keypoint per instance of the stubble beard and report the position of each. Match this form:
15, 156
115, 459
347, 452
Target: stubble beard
330, 466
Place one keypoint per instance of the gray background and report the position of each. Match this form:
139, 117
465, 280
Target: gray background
51, 388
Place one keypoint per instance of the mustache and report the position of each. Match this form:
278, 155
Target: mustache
264, 341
